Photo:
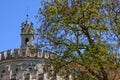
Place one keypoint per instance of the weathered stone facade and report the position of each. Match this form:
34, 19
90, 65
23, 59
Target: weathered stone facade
25, 63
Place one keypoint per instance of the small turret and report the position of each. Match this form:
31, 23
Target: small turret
27, 34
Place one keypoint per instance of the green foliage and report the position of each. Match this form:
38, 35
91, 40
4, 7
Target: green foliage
83, 33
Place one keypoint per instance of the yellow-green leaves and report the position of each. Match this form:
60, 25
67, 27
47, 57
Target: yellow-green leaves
59, 2
94, 23
103, 28
56, 27
52, 9
94, 11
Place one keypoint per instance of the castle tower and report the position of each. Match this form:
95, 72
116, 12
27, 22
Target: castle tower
27, 34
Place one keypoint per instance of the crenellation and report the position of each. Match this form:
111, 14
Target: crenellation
33, 53
25, 52
28, 52
12, 54
9, 54
2, 56
46, 55
52, 55
39, 54
17, 53
5, 54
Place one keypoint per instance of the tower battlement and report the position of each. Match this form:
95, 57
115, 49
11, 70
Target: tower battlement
24, 53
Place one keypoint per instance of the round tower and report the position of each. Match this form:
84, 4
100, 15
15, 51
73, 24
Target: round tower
25, 63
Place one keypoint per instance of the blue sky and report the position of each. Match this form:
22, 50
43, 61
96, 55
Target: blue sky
12, 14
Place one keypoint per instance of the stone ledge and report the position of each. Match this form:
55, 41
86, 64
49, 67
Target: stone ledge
23, 59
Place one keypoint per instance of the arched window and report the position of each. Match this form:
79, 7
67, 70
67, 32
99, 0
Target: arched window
26, 41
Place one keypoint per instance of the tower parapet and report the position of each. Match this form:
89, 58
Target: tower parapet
24, 53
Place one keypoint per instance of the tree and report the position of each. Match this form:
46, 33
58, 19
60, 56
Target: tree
84, 35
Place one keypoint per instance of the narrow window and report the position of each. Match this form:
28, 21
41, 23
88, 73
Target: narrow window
26, 41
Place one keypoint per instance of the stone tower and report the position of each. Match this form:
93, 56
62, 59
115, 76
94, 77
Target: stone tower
27, 34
